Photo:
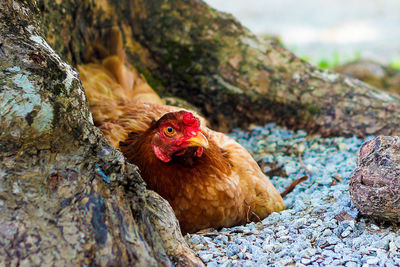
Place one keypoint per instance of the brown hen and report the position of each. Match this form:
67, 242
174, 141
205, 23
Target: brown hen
208, 178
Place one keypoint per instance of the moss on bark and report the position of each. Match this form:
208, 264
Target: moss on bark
66, 197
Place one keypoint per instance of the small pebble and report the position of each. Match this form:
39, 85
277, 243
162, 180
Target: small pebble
199, 246
327, 232
373, 261
351, 264
374, 227
397, 241
392, 247
346, 233
206, 257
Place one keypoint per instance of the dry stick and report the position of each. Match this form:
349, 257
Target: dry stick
303, 165
337, 178
293, 185
207, 231
252, 212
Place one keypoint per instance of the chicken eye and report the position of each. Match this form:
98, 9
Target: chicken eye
169, 131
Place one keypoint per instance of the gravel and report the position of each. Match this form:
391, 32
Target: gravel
320, 225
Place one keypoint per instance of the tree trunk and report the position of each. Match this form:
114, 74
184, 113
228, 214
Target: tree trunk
209, 59
187, 49
66, 197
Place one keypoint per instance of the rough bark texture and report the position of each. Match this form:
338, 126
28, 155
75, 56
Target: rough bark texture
66, 197
373, 73
187, 49
209, 59
375, 184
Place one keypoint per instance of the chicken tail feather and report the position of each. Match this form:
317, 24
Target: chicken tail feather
112, 83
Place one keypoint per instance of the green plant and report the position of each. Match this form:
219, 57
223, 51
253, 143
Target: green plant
395, 63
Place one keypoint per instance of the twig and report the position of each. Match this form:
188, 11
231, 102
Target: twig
303, 165
253, 214
343, 216
337, 178
325, 245
207, 231
293, 185
247, 214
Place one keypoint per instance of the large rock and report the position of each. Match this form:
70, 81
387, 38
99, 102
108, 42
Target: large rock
375, 183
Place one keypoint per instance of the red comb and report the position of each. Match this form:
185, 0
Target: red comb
189, 119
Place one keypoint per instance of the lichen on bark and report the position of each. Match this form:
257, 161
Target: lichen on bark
66, 197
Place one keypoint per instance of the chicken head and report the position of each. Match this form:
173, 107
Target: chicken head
176, 132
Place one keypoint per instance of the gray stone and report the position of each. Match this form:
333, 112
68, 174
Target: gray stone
373, 261
351, 264
206, 257
232, 249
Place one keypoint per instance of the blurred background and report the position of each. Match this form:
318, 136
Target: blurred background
325, 32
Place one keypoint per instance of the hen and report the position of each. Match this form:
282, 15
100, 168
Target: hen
207, 177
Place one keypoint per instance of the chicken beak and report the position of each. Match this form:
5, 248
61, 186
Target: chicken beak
197, 141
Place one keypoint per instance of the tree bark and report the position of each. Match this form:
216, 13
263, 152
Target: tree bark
66, 197
209, 59
187, 49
